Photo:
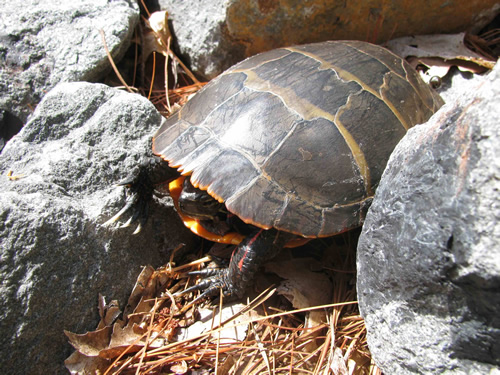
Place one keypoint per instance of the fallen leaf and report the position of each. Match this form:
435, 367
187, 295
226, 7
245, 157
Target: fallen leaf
116, 351
438, 53
225, 367
130, 338
209, 318
302, 286
130, 334
338, 365
79, 364
90, 343
156, 38
140, 289
109, 312
445, 46
179, 368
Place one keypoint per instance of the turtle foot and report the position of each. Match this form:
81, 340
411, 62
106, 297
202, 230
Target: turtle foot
213, 282
139, 192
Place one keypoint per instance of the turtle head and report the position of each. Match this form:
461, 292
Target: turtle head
197, 203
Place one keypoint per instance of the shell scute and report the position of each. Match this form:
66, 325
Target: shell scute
297, 138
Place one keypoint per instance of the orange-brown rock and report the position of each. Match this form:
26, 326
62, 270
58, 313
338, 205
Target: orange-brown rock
212, 35
266, 24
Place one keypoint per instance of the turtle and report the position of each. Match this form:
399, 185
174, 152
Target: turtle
290, 143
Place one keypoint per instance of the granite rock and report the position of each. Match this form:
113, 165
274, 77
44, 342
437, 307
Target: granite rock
428, 256
55, 257
46, 42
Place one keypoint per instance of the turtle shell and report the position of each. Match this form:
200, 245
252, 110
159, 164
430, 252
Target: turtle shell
297, 138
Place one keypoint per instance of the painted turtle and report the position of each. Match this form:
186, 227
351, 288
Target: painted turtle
293, 142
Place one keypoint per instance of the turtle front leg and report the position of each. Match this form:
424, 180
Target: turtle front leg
257, 248
140, 184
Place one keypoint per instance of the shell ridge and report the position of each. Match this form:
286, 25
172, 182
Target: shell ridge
179, 162
242, 152
389, 104
280, 97
240, 192
350, 204
403, 67
214, 109
245, 70
279, 145
346, 77
306, 111
199, 167
356, 151
197, 170
416, 89
280, 213
380, 61
310, 111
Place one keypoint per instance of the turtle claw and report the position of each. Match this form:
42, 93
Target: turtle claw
119, 214
127, 181
138, 229
140, 184
210, 286
139, 209
127, 223
137, 203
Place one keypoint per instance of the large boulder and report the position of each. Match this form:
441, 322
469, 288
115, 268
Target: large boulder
429, 253
55, 257
46, 42
215, 34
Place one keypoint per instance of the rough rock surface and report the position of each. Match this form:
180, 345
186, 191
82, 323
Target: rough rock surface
201, 35
428, 255
215, 34
55, 257
46, 42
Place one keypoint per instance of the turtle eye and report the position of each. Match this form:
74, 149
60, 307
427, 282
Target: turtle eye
207, 203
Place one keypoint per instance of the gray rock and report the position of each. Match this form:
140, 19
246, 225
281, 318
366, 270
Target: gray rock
456, 83
46, 42
201, 35
55, 257
428, 255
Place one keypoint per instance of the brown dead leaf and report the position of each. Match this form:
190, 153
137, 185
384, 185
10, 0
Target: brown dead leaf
337, 363
130, 334
302, 286
79, 364
142, 310
109, 312
116, 351
129, 338
445, 46
90, 343
225, 367
140, 288
438, 53
209, 318
156, 38
179, 368
357, 361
